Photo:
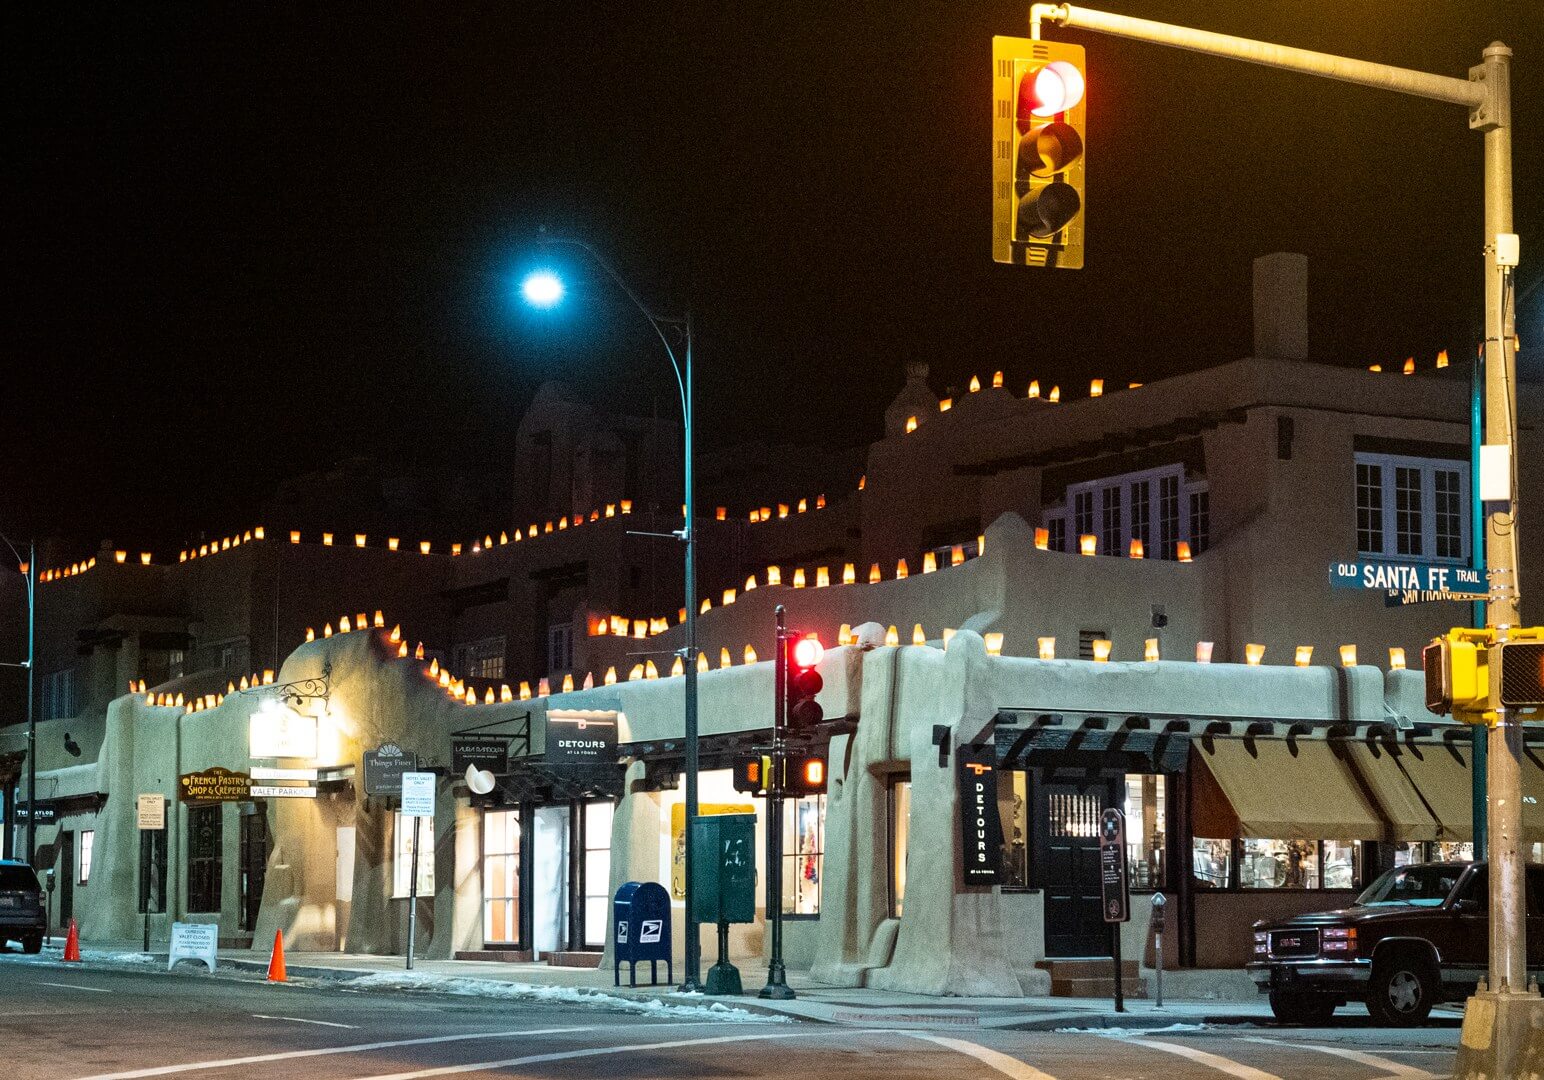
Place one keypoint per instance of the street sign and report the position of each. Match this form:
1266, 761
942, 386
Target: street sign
384, 767
418, 794
1405, 577
151, 811
1401, 597
260, 773
260, 791
1114, 890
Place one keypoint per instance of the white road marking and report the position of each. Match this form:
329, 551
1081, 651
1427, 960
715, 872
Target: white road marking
1392, 1068
302, 1020
1008, 1066
569, 1055
1221, 1064
77, 986
356, 1048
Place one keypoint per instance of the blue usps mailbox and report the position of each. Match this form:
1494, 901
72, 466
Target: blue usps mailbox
642, 919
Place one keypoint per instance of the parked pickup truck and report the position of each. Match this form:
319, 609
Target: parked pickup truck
1416, 936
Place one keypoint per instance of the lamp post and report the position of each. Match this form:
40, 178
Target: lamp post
544, 289
31, 563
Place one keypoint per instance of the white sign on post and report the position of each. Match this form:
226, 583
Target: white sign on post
418, 794
194, 941
152, 812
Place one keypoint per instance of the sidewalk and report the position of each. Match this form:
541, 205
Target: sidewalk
853, 1005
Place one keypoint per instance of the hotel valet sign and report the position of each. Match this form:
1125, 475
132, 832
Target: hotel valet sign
581, 738
981, 830
214, 785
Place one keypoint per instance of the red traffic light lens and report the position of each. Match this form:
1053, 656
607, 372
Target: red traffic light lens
807, 652
1052, 89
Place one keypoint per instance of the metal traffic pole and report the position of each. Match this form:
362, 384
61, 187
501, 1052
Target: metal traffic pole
777, 987
1508, 1012
412, 897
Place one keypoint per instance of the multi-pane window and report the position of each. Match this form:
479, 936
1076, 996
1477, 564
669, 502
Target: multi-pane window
1277, 864
1168, 516
1083, 512
560, 647
1110, 521
1149, 506
804, 841
481, 659
1413, 507
87, 841
205, 865
59, 695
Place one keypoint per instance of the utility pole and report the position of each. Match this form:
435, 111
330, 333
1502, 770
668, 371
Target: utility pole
1507, 1014
777, 987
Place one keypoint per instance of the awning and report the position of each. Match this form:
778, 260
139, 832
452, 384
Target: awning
1406, 808
1440, 772
1302, 789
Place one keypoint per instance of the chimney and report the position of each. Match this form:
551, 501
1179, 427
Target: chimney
1281, 306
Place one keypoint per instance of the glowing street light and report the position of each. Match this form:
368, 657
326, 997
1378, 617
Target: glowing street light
542, 288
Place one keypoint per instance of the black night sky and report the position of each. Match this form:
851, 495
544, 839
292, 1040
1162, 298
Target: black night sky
245, 240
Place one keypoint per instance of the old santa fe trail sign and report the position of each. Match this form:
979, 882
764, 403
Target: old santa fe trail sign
1406, 577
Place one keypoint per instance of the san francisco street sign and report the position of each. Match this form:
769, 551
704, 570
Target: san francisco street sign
1405, 577
1401, 597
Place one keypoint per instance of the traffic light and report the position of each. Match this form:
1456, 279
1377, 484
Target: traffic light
805, 776
804, 682
1520, 681
752, 773
1039, 124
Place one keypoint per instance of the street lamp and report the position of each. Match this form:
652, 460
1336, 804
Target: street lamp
544, 289
31, 564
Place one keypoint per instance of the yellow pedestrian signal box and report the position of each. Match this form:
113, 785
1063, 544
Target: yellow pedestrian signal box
1471, 675
1039, 129
1518, 673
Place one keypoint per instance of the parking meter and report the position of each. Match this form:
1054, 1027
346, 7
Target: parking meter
1160, 904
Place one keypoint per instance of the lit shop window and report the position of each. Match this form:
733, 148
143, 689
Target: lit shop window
87, 839
900, 822
804, 840
1211, 862
1015, 872
402, 857
1420, 851
501, 877
1145, 822
598, 818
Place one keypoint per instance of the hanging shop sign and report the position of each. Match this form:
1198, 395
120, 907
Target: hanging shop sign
1114, 886
490, 752
214, 785
281, 732
981, 830
384, 767
48, 813
581, 739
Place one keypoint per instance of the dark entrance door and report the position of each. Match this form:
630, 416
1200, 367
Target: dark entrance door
66, 877
1067, 837
254, 864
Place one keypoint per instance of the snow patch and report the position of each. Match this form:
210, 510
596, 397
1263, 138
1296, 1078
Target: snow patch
565, 995
1122, 1032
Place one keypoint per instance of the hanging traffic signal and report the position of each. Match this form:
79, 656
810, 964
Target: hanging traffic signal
1039, 122
751, 774
804, 682
805, 776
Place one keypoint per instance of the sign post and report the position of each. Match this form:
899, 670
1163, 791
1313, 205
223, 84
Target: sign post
1114, 889
417, 801
151, 813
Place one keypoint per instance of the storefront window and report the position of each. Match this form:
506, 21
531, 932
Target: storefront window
804, 843
1145, 830
1211, 862
1280, 864
402, 863
900, 820
597, 870
1014, 803
1342, 864
87, 839
1421, 851
501, 877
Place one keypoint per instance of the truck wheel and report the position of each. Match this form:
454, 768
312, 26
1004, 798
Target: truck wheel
1310, 1009
32, 944
1402, 990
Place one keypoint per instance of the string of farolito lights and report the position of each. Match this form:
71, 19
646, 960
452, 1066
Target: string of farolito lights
1409, 366
1096, 388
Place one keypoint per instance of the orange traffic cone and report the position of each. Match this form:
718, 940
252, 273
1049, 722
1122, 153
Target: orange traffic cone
276, 962
72, 945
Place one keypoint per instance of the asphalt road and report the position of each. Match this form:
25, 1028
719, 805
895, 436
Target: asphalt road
72, 1023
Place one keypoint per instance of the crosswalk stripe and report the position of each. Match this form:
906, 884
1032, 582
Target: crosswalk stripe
1392, 1068
1215, 1061
1008, 1066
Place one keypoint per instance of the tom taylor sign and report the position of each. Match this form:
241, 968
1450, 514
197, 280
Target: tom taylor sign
581, 740
981, 830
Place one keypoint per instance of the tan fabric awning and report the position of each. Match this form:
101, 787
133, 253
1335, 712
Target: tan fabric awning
1303, 789
1440, 772
1405, 808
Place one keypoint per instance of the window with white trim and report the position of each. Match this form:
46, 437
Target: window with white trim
1149, 506
481, 659
1413, 508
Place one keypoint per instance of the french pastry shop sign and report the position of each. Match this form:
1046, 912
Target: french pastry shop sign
214, 785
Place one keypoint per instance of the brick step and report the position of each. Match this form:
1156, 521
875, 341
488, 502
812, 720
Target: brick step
1089, 967
506, 956
574, 959
1097, 987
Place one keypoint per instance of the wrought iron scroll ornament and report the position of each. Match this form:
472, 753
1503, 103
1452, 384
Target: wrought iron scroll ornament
297, 693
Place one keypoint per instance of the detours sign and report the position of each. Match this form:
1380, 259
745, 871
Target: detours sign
214, 785
1406, 577
581, 739
981, 829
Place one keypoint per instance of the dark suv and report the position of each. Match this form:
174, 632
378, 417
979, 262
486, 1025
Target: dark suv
22, 917
1416, 936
